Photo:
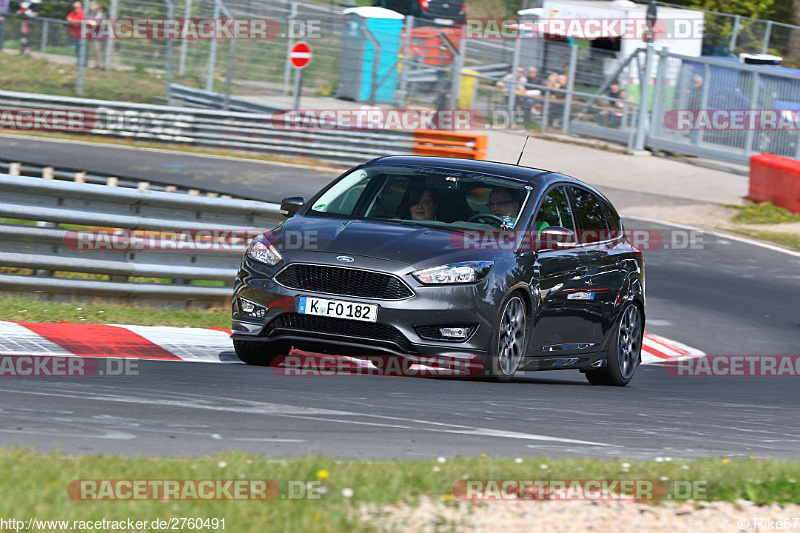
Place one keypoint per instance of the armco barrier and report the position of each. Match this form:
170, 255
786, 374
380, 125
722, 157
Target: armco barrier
253, 132
44, 247
775, 179
450, 144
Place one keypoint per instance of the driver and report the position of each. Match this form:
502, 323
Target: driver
503, 204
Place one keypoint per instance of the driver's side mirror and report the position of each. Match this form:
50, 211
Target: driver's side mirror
290, 206
553, 237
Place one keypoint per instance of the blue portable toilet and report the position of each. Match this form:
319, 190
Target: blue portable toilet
358, 53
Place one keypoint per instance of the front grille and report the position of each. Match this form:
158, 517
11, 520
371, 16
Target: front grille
343, 281
363, 331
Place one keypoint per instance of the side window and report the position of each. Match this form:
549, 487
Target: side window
554, 211
592, 226
614, 223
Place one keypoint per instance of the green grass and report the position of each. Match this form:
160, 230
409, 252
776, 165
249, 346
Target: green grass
38, 483
28, 309
31, 75
790, 240
764, 213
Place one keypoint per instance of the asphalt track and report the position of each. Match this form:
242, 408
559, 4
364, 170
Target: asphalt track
240, 177
726, 298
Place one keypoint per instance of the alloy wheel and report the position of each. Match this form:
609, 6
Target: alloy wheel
511, 336
629, 341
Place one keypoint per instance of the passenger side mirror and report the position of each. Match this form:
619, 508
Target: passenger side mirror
553, 237
290, 206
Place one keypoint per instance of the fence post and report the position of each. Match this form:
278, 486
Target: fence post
187, 12
402, 83
658, 94
767, 35
512, 85
703, 102
212, 53
545, 110
114, 13
737, 20
376, 58
644, 98
458, 66
226, 103
45, 26
287, 68
168, 59
748, 147
82, 49
573, 62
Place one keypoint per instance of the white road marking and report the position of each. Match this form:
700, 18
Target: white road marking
720, 234
292, 411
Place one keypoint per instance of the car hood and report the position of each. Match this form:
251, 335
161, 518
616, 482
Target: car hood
409, 245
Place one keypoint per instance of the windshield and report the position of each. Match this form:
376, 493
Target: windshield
425, 196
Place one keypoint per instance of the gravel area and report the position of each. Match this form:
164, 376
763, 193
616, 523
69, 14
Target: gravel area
572, 516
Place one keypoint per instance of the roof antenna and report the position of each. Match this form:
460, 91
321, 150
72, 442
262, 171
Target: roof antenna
523, 149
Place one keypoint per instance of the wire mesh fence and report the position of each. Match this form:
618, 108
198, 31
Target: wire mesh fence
548, 85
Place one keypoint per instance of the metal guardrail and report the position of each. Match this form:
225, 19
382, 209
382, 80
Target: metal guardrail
252, 132
44, 247
15, 167
202, 99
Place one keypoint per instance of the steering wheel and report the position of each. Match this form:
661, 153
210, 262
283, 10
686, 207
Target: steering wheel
491, 218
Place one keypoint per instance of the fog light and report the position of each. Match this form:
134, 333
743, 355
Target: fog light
251, 309
454, 333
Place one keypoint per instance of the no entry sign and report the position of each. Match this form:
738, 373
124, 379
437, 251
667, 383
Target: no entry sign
300, 55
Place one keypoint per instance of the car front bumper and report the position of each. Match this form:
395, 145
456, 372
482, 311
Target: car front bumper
396, 331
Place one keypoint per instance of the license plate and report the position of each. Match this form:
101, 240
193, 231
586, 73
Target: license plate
337, 308
443, 22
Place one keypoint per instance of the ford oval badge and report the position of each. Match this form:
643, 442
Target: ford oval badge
345, 258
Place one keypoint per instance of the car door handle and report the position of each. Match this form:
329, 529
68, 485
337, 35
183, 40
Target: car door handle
582, 269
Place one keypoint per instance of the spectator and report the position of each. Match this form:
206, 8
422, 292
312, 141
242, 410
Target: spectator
27, 10
618, 109
557, 105
74, 22
533, 76
519, 78
613, 89
696, 93
529, 103
96, 15
3, 13
608, 113
695, 102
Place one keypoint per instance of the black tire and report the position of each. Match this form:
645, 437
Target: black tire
625, 351
255, 353
500, 363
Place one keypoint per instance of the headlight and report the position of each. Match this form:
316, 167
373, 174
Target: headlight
264, 253
456, 273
